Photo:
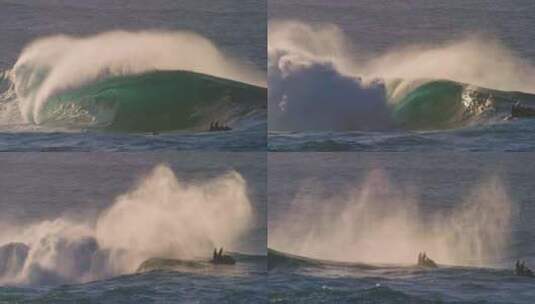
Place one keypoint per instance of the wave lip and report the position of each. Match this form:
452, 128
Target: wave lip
320, 81
133, 82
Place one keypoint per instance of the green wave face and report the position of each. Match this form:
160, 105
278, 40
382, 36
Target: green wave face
435, 105
446, 104
155, 101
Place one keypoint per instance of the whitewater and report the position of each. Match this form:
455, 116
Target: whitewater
332, 87
84, 237
108, 87
361, 219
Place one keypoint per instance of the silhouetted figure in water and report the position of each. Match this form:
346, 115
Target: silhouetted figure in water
214, 126
425, 261
522, 270
520, 110
220, 258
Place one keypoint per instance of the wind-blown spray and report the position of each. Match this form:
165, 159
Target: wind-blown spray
161, 217
316, 74
56, 64
381, 223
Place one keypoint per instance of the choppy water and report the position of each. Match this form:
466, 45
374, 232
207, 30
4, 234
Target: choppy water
322, 57
504, 136
341, 225
154, 287
249, 139
77, 188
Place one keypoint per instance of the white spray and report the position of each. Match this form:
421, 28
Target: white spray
299, 52
160, 217
381, 223
53, 64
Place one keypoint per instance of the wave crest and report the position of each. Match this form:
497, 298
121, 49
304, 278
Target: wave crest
51, 67
315, 74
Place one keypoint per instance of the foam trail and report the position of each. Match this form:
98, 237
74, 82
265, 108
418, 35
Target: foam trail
161, 217
54, 64
359, 85
380, 223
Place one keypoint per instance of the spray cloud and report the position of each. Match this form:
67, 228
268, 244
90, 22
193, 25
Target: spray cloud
161, 217
381, 223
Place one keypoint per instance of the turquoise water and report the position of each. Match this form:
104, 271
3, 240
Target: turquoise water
156, 102
117, 113
414, 103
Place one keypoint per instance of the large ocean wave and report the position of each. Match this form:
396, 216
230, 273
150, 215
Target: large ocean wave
162, 217
130, 81
319, 80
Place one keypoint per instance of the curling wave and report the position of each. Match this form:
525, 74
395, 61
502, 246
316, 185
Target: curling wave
443, 104
132, 82
319, 81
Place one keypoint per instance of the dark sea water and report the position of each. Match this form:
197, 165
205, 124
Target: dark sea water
73, 189
325, 105
504, 136
347, 227
237, 30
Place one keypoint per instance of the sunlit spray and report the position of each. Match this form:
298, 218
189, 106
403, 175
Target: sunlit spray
379, 222
316, 74
162, 216
55, 64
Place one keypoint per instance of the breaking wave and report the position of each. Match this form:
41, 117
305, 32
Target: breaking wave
132, 82
161, 217
319, 80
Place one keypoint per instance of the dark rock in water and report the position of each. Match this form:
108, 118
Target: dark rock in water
522, 270
224, 260
219, 258
12, 258
425, 261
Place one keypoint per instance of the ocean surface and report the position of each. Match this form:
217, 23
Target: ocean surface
79, 230
400, 75
112, 75
347, 227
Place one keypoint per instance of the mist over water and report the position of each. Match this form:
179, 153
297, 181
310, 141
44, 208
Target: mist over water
380, 222
52, 65
316, 73
476, 59
162, 216
106, 75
